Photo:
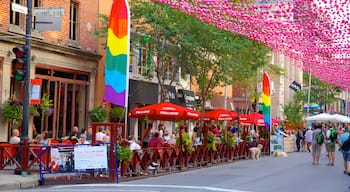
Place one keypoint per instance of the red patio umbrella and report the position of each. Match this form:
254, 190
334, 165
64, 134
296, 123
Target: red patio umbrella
258, 119
220, 115
164, 111
244, 119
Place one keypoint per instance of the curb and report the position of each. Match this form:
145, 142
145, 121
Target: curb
12, 182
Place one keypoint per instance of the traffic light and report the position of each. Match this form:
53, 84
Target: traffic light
18, 64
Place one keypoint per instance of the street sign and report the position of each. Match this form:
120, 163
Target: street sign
45, 23
52, 11
19, 8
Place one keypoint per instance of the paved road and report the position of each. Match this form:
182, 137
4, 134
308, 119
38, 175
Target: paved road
269, 174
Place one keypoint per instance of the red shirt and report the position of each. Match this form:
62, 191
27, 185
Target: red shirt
155, 142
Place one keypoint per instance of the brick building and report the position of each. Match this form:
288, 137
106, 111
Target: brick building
65, 60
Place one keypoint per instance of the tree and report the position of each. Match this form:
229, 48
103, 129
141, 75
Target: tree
293, 111
320, 93
212, 56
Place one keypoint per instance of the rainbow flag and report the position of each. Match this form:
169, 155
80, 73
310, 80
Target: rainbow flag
266, 97
117, 54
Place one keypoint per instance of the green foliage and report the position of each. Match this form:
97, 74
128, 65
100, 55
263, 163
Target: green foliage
248, 138
211, 145
117, 113
123, 150
320, 92
293, 111
212, 56
124, 154
230, 141
98, 114
186, 142
13, 111
45, 105
33, 110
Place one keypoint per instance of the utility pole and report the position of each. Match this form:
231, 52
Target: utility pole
24, 145
27, 71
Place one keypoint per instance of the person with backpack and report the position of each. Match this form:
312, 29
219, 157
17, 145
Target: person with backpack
331, 136
317, 142
344, 144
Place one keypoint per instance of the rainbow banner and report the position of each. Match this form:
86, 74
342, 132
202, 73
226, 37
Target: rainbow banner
266, 97
117, 54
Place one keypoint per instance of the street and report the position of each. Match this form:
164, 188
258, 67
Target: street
268, 174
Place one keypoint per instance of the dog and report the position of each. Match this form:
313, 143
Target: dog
255, 151
279, 154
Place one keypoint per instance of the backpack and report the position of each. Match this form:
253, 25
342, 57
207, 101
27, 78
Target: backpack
320, 138
346, 145
333, 135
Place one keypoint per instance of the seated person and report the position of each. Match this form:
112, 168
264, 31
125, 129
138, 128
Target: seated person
155, 141
44, 139
82, 139
73, 136
107, 138
89, 134
99, 135
133, 144
15, 139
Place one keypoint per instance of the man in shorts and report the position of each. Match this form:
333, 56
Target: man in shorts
316, 148
330, 144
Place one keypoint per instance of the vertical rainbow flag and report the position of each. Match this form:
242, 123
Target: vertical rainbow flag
266, 97
117, 54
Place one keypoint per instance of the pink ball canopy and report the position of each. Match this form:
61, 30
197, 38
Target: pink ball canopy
315, 34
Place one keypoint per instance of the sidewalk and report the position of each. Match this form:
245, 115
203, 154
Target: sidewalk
8, 180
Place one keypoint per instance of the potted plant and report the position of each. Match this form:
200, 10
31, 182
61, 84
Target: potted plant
211, 145
117, 114
98, 114
12, 111
45, 104
124, 155
186, 142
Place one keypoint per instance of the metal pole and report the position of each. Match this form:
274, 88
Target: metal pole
27, 70
308, 96
25, 121
346, 102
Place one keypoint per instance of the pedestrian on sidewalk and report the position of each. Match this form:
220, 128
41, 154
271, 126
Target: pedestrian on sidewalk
343, 137
308, 138
299, 138
331, 138
316, 147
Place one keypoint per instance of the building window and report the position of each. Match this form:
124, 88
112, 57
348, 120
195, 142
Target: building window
16, 18
36, 3
73, 21
145, 60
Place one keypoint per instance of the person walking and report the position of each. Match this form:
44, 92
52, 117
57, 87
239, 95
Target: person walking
308, 138
299, 137
343, 137
316, 145
331, 138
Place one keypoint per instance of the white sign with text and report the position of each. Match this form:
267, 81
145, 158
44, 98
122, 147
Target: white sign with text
90, 157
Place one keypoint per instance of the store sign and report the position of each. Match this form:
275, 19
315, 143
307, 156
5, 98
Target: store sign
54, 11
